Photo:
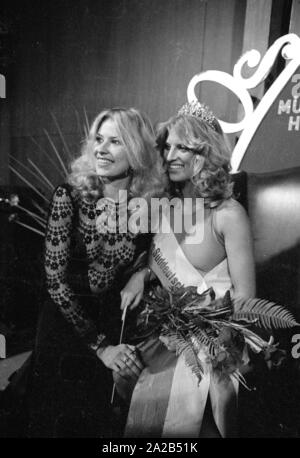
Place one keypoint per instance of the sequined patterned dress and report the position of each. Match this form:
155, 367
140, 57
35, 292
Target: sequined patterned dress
85, 271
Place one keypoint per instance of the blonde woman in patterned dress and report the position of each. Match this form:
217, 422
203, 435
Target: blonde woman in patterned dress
86, 259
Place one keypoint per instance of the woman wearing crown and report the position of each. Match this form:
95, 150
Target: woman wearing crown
168, 401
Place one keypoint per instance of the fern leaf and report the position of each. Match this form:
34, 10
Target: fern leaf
186, 349
193, 362
267, 314
179, 341
202, 339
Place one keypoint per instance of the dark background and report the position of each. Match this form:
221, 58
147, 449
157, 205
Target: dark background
63, 57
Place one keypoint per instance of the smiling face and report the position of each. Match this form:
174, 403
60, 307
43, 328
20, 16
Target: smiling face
110, 152
179, 158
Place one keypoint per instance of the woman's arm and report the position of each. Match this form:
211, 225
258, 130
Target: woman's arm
57, 255
121, 358
234, 225
133, 291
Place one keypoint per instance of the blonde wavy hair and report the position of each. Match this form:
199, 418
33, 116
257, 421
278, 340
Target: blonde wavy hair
213, 181
146, 166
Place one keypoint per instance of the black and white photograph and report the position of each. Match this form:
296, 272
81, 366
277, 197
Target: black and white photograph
149, 221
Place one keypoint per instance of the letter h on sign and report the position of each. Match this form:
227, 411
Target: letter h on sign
2, 87
2, 346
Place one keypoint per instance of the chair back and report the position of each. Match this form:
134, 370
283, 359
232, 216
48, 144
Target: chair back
272, 201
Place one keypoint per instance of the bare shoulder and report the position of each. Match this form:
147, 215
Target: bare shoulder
231, 214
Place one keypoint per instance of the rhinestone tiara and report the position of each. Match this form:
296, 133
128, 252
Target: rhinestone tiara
198, 110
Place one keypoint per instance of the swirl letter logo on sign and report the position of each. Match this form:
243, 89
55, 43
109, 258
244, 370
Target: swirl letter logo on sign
283, 95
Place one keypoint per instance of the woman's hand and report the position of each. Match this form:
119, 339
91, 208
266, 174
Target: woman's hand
168, 342
122, 359
132, 293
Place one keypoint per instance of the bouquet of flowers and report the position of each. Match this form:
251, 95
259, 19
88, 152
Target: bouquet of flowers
213, 333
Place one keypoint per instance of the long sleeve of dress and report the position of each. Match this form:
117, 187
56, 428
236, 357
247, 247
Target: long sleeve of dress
57, 257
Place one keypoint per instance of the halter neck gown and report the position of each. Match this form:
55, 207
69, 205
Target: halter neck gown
168, 400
